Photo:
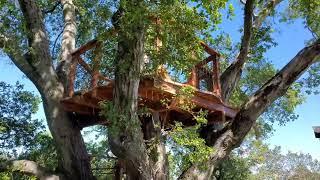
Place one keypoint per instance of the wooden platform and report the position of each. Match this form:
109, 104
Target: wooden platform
84, 107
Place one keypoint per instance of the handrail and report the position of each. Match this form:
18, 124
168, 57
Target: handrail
194, 79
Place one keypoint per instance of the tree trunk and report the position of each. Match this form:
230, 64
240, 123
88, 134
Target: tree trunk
125, 133
74, 161
37, 66
156, 146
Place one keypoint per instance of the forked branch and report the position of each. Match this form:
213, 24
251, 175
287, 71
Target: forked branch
234, 133
231, 76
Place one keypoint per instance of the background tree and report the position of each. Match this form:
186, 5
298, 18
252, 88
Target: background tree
39, 38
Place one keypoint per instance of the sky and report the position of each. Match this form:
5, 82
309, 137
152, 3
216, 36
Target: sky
295, 136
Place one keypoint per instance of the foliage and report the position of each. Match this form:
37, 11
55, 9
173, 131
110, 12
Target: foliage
183, 23
102, 163
17, 127
187, 147
233, 168
21, 136
309, 10
258, 162
42, 151
190, 144
118, 122
289, 166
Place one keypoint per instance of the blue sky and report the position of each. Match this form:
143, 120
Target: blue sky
296, 136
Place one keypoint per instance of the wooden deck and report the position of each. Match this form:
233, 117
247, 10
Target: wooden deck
84, 107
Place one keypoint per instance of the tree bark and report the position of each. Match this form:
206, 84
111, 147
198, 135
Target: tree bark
232, 75
156, 146
125, 133
73, 158
74, 161
234, 133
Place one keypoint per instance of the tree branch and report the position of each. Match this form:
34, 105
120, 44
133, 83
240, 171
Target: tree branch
29, 168
11, 48
231, 76
36, 33
265, 12
234, 133
68, 43
52, 9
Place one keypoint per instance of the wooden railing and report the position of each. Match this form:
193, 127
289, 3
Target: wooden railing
93, 71
195, 78
93, 68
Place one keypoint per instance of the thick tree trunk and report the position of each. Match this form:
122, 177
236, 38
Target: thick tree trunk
156, 146
74, 161
37, 65
125, 133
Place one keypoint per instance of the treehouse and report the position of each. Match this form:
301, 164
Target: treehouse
158, 93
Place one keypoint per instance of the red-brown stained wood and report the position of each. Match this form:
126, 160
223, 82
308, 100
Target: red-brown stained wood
150, 95
216, 77
194, 79
151, 92
205, 61
89, 45
209, 50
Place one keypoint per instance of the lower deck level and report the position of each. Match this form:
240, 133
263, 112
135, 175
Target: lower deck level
157, 95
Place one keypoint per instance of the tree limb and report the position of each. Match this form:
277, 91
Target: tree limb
29, 168
231, 76
268, 8
11, 48
53, 8
68, 43
234, 133
36, 33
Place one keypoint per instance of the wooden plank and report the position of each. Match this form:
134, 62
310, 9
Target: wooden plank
194, 79
216, 77
203, 103
205, 61
78, 108
208, 49
82, 49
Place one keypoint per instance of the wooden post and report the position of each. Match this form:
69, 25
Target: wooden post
194, 79
216, 76
95, 68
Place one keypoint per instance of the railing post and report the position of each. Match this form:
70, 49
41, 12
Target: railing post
216, 76
95, 68
194, 79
